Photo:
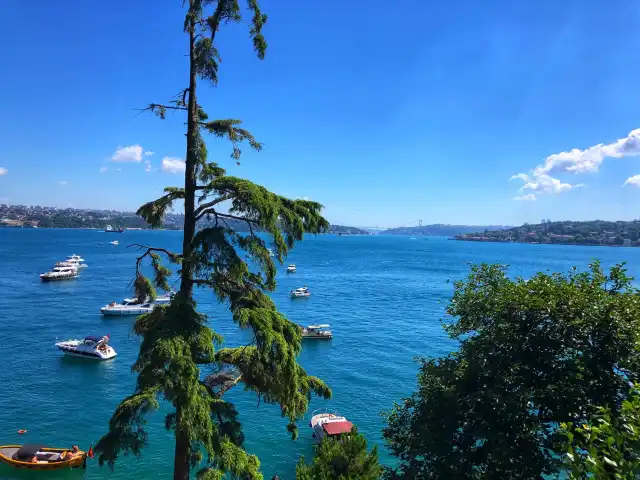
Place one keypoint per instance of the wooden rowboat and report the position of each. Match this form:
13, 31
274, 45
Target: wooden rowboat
20, 456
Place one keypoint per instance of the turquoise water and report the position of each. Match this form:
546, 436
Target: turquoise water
384, 297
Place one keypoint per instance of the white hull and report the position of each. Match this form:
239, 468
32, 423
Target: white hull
121, 312
81, 355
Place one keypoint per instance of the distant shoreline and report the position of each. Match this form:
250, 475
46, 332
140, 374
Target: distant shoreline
608, 245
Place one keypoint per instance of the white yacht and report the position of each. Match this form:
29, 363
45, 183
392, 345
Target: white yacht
302, 292
95, 348
328, 424
72, 261
115, 242
60, 273
317, 332
291, 268
131, 306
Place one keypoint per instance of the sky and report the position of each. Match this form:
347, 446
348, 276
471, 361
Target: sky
465, 112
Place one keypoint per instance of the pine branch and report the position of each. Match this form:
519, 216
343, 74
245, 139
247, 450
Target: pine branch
204, 206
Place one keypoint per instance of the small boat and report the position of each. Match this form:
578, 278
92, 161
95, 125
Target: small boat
302, 292
328, 424
110, 229
271, 254
318, 332
65, 272
95, 348
131, 306
35, 456
291, 268
115, 242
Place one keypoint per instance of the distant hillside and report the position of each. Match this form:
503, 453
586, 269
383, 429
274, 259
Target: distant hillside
596, 232
441, 230
51, 217
342, 230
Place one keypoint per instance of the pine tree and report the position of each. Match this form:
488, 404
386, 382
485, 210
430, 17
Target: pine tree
176, 338
344, 458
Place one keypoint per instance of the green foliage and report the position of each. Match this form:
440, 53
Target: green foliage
606, 447
533, 354
345, 458
176, 338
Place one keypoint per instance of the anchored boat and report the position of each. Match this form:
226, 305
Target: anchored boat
36, 456
325, 423
301, 292
318, 332
291, 268
65, 272
95, 348
131, 306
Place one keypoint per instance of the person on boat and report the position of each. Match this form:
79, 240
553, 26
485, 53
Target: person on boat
34, 459
68, 455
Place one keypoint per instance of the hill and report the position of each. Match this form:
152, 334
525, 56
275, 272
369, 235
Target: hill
51, 217
596, 232
440, 229
342, 230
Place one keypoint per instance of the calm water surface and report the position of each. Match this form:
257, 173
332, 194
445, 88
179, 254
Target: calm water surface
384, 297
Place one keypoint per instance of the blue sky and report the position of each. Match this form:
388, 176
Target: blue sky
385, 115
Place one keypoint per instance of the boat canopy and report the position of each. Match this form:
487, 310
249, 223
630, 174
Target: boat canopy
93, 338
28, 450
336, 428
315, 327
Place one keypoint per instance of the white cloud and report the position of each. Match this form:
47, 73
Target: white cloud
529, 197
543, 183
103, 169
635, 181
133, 153
148, 169
578, 161
589, 160
63, 182
3, 171
172, 165
118, 169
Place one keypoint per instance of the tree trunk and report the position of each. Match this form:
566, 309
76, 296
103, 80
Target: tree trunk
181, 455
186, 285
181, 466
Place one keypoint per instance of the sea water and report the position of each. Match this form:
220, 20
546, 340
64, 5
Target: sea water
384, 297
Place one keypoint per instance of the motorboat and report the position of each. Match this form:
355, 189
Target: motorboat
110, 229
325, 423
302, 292
291, 268
72, 261
60, 273
132, 306
128, 307
35, 456
95, 348
318, 332
115, 242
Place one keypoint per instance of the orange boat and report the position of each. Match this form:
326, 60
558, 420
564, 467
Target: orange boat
35, 456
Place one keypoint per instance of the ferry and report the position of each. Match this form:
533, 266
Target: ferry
110, 229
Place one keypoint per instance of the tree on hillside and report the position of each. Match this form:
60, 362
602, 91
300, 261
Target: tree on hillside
345, 458
533, 354
605, 447
176, 339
